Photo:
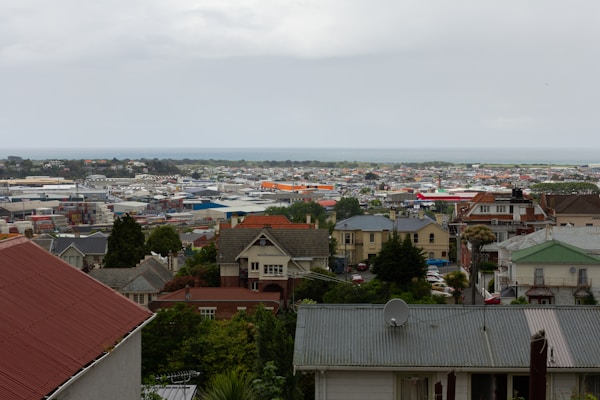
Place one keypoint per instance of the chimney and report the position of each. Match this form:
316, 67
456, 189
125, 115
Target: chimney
393, 213
188, 296
308, 219
234, 220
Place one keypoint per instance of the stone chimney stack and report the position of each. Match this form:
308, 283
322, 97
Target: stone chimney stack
308, 219
393, 213
188, 296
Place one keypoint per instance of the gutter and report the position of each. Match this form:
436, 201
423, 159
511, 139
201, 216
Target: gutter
322, 369
65, 385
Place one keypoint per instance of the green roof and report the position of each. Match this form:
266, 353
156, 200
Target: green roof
554, 252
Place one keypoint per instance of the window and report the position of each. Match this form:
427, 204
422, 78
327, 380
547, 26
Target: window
484, 209
371, 238
416, 238
347, 238
538, 278
273, 269
432, 238
254, 286
241, 309
489, 386
208, 312
139, 298
591, 384
501, 209
254, 266
413, 387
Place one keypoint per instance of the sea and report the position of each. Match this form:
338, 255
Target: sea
516, 156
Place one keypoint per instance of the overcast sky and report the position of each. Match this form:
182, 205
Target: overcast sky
293, 73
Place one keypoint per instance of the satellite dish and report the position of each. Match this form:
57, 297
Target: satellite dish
395, 312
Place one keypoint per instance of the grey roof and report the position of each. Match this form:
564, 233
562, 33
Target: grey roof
373, 223
148, 277
93, 244
378, 223
584, 237
296, 242
444, 337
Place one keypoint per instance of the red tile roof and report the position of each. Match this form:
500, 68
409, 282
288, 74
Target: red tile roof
220, 294
54, 320
272, 221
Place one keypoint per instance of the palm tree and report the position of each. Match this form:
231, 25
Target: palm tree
458, 281
478, 236
233, 385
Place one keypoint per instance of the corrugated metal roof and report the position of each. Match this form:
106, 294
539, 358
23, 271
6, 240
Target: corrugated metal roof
554, 252
437, 336
54, 320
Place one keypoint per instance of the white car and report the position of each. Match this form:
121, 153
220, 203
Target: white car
435, 279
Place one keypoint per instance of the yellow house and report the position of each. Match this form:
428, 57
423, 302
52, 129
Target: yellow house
361, 237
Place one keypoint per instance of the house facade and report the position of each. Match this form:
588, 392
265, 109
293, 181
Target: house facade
141, 284
360, 238
556, 273
64, 335
267, 254
506, 277
484, 352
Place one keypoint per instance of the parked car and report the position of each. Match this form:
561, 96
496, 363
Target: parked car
435, 279
493, 300
362, 267
442, 287
357, 278
438, 262
433, 268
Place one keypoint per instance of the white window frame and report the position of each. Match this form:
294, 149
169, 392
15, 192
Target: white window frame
208, 312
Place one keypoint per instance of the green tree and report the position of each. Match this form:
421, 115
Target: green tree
165, 335
478, 236
459, 282
347, 207
298, 211
163, 240
269, 385
371, 176
233, 385
314, 288
399, 262
126, 244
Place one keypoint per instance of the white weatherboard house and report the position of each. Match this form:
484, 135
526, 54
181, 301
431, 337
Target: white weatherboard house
354, 353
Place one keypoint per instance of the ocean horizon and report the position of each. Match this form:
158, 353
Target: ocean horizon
517, 156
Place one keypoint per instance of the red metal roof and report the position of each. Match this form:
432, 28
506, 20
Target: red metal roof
54, 320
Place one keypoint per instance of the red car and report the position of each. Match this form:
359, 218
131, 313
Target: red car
362, 267
492, 300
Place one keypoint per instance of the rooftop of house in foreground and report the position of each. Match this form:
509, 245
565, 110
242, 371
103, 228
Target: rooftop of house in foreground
54, 320
444, 337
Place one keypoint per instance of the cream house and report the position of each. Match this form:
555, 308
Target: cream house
556, 273
361, 237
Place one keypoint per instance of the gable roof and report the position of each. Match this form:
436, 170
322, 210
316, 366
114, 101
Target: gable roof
498, 337
554, 252
150, 276
55, 320
573, 204
93, 244
297, 242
